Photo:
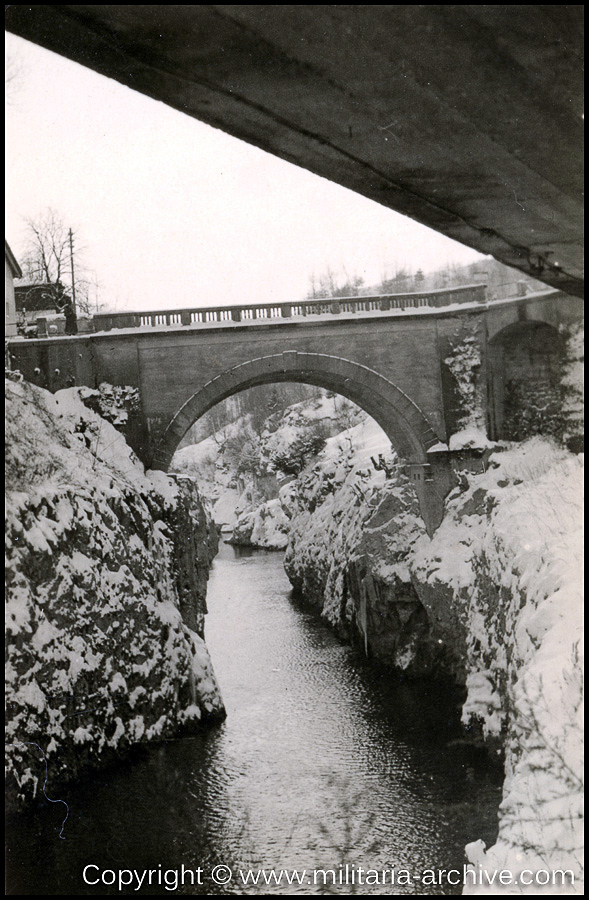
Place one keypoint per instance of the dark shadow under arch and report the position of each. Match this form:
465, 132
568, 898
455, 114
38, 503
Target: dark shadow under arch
525, 369
400, 418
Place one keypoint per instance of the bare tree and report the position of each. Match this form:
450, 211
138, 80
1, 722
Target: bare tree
333, 284
46, 249
53, 255
399, 283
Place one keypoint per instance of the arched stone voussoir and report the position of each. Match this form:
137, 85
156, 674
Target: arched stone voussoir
401, 419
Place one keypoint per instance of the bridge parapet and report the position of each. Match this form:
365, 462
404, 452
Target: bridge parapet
473, 293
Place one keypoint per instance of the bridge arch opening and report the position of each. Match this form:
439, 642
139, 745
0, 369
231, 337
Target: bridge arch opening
405, 425
400, 418
244, 450
525, 371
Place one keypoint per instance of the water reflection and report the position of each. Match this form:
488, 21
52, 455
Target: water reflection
323, 760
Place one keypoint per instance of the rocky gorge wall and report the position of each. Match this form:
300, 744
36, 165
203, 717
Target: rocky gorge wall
348, 552
492, 599
106, 580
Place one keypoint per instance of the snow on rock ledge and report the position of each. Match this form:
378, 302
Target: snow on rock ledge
510, 552
106, 581
266, 526
349, 544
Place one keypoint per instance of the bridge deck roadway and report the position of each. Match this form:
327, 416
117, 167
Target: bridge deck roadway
169, 363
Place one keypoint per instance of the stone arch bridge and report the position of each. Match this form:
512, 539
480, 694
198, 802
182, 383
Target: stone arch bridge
387, 354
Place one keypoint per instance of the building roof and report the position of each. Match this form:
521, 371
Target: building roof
11, 260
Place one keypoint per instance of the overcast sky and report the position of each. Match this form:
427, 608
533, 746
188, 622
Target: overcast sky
175, 213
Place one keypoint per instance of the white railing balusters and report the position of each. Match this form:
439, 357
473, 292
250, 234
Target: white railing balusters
323, 306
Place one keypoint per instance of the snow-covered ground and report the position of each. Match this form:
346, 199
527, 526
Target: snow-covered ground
244, 503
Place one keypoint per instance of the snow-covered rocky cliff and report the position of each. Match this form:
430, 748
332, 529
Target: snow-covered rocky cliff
106, 581
350, 536
492, 599
516, 535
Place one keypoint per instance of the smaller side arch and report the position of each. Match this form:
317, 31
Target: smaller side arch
400, 418
525, 370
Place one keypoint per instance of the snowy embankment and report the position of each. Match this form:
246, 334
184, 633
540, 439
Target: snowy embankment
106, 578
493, 599
237, 504
517, 531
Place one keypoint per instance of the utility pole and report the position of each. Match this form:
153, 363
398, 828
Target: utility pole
72, 268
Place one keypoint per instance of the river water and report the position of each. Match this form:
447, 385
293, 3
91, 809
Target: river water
324, 761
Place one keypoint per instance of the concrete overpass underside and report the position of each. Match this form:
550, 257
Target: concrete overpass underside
466, 118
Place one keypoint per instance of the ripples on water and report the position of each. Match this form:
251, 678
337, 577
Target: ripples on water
323, 760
